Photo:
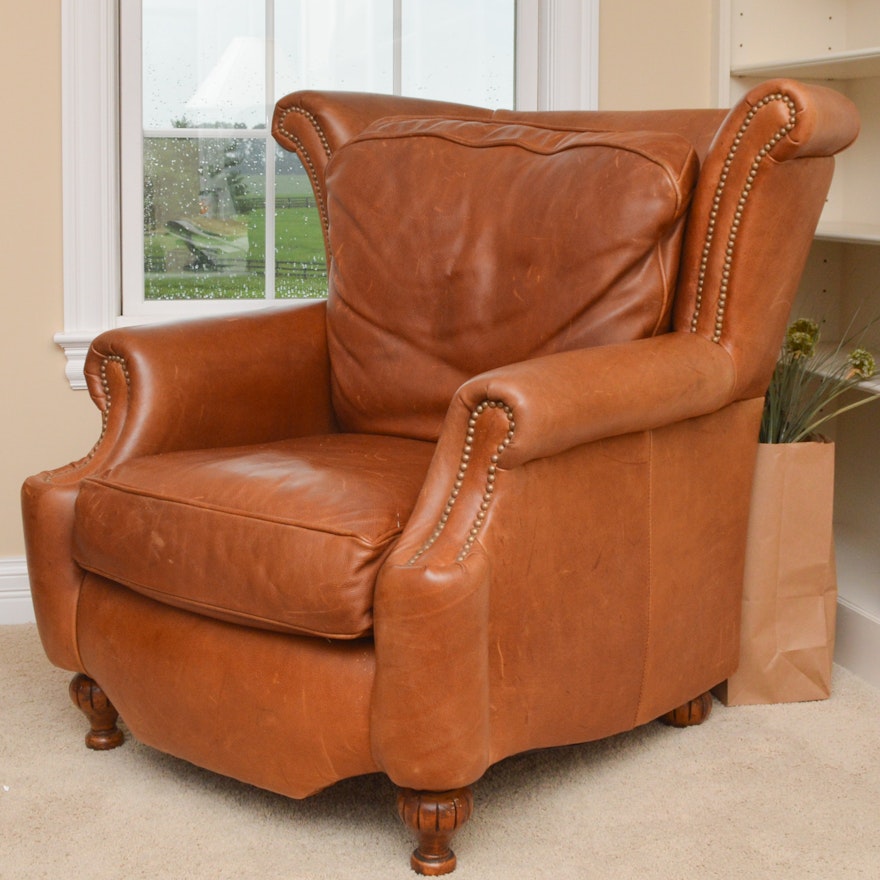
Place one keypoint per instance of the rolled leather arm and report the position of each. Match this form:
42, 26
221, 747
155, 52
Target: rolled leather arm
437, 585
539, 408
575, 397
223, 381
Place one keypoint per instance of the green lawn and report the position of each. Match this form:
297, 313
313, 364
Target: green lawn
300, 260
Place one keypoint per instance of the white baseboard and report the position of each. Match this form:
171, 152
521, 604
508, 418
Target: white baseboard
857, 646
15, 592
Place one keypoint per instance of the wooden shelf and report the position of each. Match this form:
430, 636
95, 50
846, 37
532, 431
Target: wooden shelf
834, 359
847, 232
767, 39
854, 64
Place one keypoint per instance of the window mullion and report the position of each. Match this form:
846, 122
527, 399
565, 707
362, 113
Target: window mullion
270, 153
397, 42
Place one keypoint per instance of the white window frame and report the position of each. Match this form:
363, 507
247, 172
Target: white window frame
557, 68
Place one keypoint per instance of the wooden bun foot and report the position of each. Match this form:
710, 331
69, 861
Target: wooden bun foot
434, 817
695, 711
92, 701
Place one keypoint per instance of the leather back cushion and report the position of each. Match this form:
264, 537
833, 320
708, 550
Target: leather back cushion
460, 246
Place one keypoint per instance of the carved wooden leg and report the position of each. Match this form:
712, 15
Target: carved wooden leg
695, 711
434, 817
90, 699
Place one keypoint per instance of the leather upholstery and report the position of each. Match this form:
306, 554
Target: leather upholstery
327, 508
285, 712
581, 248
558, 420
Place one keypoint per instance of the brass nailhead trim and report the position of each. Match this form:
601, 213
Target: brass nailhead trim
315, 124
105, 414
743, 199
491, 471
105, 382
303, 153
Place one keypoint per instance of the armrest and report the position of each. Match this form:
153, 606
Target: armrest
575, 397
446, 582
256, 377
225, 381
504, 418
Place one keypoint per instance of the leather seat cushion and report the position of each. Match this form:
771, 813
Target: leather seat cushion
286, 536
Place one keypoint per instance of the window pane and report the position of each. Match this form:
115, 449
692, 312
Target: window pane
204, 62
204, 218
204, 124
347, 44
300, 263
459, 50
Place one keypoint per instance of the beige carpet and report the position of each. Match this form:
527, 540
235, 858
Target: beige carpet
770, 792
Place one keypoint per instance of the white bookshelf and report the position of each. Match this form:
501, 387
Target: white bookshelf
854, 64
852, 233
831, 357
834, 43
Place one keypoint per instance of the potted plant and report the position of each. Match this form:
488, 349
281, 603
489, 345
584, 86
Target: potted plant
790, 583
807, 385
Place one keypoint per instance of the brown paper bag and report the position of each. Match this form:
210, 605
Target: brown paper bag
790, 584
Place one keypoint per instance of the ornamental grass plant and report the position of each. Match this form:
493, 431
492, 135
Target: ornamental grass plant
808, 385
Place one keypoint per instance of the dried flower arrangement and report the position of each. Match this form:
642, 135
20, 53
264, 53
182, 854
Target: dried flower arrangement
807, 383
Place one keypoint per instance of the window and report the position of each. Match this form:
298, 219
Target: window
212, 210
218, 210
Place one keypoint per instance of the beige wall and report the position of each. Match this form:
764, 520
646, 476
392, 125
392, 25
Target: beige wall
654, 53
44, 423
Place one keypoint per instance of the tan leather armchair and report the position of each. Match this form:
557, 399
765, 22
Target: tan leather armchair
491, 495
